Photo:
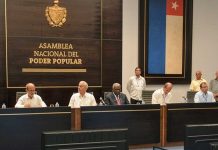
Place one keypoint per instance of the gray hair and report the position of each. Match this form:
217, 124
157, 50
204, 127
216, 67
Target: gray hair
84, 83
115, 84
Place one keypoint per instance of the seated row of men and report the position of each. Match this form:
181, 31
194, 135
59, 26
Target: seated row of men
204, 94
135, 86
82, 98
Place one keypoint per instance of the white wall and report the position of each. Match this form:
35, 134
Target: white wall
205, 37
204, 49
130, 40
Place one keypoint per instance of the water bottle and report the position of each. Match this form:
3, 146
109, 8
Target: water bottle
57, 104
3, 106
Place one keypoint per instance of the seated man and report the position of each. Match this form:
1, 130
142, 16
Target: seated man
82, 98
204, 96
213, 87
195, 84
116, 97
162, 96
30, 99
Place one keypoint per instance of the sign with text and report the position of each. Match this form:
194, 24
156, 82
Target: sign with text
53, 43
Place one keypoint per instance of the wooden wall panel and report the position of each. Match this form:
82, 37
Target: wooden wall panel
112, 43
112, 55
112, 19
94, 27
31, 35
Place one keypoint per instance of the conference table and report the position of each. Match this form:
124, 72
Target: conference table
147, 124
179, 115
142, 121
21, 128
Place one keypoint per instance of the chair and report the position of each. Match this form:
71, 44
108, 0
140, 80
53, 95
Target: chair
91, 93
19, 94
105, 93
87, 92
147, 96
190, 96
214, 146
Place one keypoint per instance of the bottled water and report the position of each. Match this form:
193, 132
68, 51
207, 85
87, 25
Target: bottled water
3, 106
57, 104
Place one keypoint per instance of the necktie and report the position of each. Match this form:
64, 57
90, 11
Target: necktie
118, 100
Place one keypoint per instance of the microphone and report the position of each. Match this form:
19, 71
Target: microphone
185, 98
102, 101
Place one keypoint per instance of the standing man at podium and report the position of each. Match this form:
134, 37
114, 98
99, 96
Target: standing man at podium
82, 98
30, 99
135, 86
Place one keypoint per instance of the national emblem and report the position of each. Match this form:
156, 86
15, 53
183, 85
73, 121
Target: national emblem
55, 14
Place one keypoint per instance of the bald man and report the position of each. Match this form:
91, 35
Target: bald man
82, 98
116, 97
163, 96
30, 99
195, 84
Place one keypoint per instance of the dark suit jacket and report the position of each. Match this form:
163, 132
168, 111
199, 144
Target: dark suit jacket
110, 99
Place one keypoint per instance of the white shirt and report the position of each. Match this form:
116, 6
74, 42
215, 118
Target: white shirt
36, 101
78, 100
158, 97
201, 97
135, 86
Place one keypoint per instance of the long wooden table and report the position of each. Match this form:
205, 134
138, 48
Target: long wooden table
21, 129
147, 124
142, 121
179, 115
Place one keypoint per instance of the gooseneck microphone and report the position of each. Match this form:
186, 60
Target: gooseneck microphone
102, 101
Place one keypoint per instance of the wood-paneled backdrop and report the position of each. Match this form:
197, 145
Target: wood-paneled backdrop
86, 46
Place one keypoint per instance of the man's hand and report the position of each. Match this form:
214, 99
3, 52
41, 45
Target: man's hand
27, 105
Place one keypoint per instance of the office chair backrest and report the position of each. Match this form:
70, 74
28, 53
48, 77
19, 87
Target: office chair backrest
147, 96
19, 94
190, 96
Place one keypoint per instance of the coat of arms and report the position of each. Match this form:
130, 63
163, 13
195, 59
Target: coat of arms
55, 14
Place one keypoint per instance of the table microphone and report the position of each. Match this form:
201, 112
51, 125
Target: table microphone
185, 98
102, 101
